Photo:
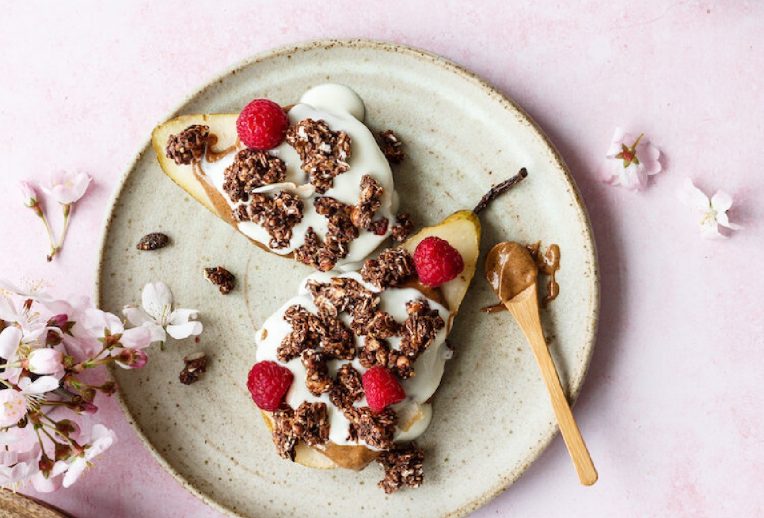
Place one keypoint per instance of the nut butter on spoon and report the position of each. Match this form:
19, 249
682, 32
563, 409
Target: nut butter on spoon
512, 273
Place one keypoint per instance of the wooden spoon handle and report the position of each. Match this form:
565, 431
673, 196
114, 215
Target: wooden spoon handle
526, 313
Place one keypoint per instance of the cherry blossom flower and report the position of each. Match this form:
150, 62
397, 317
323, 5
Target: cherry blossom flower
711, 213
13, 406
110, 330
101, 440
631, 160
157, 314
67, 188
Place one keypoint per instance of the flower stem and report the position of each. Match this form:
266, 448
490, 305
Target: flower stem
52, 240
67, 213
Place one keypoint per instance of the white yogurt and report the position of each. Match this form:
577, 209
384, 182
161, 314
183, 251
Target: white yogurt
428, 367
343, 110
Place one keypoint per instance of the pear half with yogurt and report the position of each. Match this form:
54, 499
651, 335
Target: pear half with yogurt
462, 231
343, 111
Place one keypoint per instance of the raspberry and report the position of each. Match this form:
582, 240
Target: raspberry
381, 388
262, 124
268, 383
436, 261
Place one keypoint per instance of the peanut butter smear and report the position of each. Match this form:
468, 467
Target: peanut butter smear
548, 263
510, 270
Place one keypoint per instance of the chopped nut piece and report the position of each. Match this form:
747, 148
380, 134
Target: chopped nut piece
317, 377
252, 169
391, 146
403, 227
220, 277
324, 153
195, 366
153, 241
188, 145
403, 467
392, 268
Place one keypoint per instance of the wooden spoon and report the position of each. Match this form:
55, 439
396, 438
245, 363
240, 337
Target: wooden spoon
512, 273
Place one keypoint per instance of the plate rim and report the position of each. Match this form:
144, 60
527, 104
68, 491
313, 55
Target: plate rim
575, 384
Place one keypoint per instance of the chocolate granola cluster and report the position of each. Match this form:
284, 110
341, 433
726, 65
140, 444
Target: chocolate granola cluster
324, 153
344, 224
309, 423
188, 146
391, 146
278, 215
251, 169
403, 467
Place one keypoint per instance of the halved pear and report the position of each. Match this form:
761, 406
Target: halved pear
462, 231
223, 126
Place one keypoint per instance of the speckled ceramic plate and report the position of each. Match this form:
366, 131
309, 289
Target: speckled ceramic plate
492, 416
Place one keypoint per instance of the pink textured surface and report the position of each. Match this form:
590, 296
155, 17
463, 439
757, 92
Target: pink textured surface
672, 406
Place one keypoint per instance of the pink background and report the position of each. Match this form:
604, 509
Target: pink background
672, 408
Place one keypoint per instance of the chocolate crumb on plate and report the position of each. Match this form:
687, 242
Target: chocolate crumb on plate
153, 241
391, 146
220, 277
195, 366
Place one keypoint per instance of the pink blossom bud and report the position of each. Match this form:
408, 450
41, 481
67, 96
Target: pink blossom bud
28, 193
58, 321
132, 358
45, 361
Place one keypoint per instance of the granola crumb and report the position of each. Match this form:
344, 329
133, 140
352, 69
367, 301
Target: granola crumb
195, 366
220, 277
188, 145
403, 467
420, 328
391, 146
402, 228
153, 241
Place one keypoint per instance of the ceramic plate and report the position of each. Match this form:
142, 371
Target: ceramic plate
492, 416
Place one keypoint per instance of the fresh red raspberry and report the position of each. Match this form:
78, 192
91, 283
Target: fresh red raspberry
262, 124
268, 383
436, 261
381, 388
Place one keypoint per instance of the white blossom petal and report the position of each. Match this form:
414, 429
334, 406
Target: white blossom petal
723, 220
156, 300
8, 310
692, 196
136, 316
721, 201
182, 315
76, 469
41, 385
137, 337
615, 142
10, 338
180, 331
